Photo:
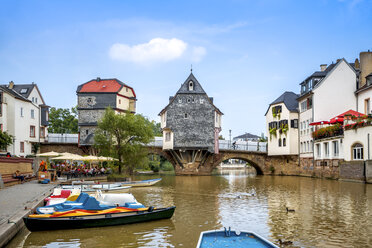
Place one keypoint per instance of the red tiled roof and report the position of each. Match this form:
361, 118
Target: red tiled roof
104, 85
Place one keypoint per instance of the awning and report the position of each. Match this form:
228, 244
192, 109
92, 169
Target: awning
337, 120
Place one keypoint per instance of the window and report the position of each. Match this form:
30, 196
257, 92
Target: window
284, 141
189, 100
22, 147
21, 112
294, 123
23, 91
47, 116
308, 146
318, 151
280, 142
42, 132
335, 149
179, 100
367, 109
32, 131
311, 146
32, 114
201, 101
191, 86
89, 100
167, 136
119, 101
186, 116
33, 99
326, 150
87, 132
358, 152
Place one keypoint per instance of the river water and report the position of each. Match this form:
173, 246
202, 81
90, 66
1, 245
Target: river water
327, 213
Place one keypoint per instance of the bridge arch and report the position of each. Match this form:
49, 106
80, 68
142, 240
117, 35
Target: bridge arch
252, 163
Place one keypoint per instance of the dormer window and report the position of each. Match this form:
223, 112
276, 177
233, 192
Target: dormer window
191, 86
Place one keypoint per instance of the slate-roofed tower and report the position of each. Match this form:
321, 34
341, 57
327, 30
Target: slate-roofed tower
94, 97
191, 124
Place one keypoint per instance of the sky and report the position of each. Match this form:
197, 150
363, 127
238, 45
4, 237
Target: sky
244, 53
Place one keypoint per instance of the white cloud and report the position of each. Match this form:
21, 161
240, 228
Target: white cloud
157, 49
198, 53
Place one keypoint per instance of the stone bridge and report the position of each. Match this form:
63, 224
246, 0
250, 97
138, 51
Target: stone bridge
276, 165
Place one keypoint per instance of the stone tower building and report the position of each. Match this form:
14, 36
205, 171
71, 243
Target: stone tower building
94, 97
191, 124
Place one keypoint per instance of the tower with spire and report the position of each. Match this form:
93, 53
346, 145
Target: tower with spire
191, 124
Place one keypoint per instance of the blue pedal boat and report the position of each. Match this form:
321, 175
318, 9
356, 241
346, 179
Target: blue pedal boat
227, 238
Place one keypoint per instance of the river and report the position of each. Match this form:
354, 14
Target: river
327, 213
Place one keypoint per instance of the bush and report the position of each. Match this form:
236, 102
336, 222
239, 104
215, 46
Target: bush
154, 166
166, 166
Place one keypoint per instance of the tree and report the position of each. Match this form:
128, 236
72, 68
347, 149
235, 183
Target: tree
156, 128
63, 121
123, 136
221, 137
5, 140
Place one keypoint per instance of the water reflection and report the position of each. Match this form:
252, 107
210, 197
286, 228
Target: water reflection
327, 213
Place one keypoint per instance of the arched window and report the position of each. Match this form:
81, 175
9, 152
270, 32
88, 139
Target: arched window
280, 142
284, 142
191, 85
357, 151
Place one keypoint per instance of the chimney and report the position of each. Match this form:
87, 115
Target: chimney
98, 79
365, 66
356, 64
323, 67
11, 85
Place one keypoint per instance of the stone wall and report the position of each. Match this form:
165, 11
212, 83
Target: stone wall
352, 170
197, 129
71, 148
11, 165
368, 165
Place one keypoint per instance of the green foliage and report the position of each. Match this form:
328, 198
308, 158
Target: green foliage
272, 132
122, 136
326, 132
63, 120
221, 137
5, 140
166, 166
156, 128
35, 147
154, 166
263, 138
272, 169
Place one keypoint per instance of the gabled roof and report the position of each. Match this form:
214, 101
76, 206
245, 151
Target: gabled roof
333, 68
98, 85
197, 89
24, 90
289, 99
247, 136
13, 93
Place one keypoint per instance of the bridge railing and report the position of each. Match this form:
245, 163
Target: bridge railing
253, 146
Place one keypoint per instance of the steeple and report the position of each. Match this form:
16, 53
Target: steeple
191, 86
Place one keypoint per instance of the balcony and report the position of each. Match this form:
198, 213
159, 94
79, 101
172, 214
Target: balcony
328, 132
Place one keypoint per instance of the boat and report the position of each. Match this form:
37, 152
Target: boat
142, 183
97, 202
228, 238
96, 219
60, 195
103, 187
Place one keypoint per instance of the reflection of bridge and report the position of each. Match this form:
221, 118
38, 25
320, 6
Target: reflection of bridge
203, 163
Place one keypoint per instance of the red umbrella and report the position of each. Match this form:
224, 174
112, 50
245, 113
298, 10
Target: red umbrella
319, 123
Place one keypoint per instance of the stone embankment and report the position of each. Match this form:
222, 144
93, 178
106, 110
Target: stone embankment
19, 201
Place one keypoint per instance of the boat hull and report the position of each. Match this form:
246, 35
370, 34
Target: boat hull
143, 183
57, 223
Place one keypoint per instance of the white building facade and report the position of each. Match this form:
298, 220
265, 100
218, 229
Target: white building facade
25, 116
282, 125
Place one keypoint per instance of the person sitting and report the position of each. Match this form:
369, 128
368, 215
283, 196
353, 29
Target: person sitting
18, 175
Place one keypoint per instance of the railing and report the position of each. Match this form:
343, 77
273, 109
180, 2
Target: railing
327, 132
62, 138
252, 146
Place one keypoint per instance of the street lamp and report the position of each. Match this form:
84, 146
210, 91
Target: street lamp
230, 138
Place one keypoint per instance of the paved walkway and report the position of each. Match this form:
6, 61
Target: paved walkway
15, 198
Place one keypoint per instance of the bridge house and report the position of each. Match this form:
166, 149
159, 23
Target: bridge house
94, 97
191, 124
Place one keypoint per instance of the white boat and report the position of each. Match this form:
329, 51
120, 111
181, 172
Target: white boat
142, 183
95, 187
